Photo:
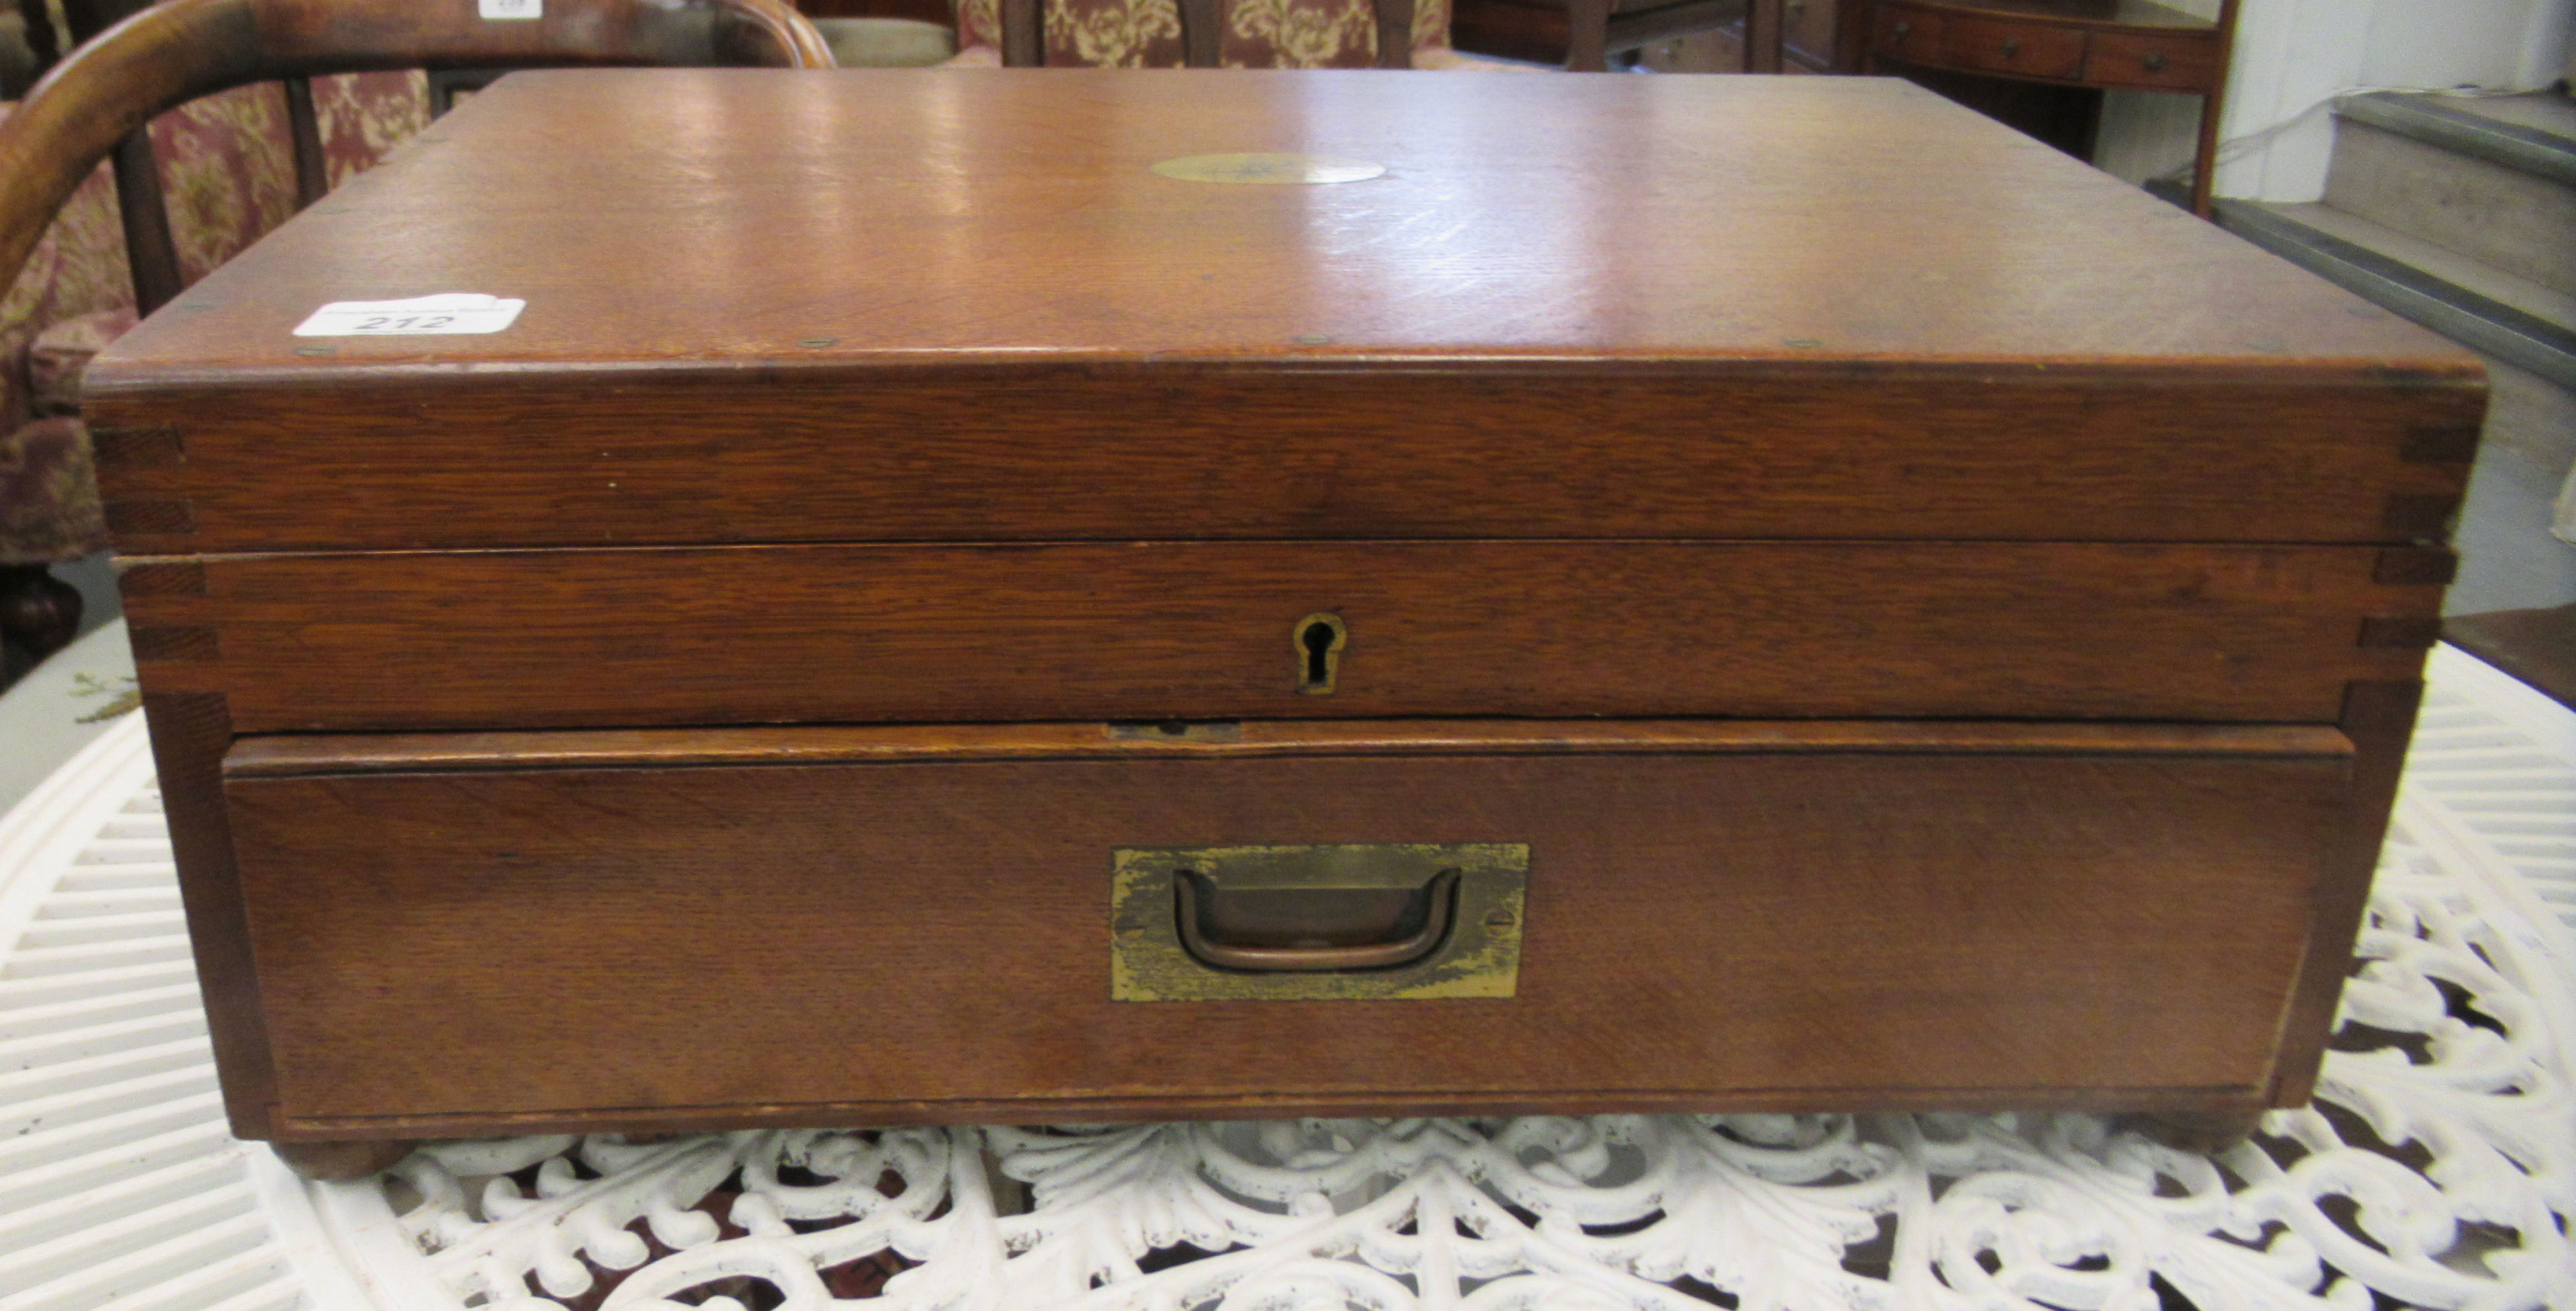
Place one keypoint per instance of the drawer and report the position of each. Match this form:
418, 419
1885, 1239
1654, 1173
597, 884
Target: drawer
456, 934
1989, 45
1911, 34
2171, 63
1153, 630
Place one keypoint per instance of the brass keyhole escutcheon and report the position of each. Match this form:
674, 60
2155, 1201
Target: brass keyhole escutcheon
1319, 639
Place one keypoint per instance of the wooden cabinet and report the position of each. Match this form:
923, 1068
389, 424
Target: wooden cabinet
2096, 44
1700, 36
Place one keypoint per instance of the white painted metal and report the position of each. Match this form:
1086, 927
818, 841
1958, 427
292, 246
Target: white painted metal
124, 1192
2494, 763
119, 1189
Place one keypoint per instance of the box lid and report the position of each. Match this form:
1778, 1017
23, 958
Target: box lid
851, 271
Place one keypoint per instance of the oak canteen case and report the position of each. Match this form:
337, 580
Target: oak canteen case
1064, 595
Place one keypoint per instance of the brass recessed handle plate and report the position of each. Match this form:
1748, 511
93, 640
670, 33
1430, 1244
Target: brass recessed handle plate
1394, 921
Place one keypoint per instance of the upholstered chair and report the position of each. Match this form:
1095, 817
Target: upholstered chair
1228, 34
231, 153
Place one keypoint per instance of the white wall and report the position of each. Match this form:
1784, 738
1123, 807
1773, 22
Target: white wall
2294, 56
2490, 43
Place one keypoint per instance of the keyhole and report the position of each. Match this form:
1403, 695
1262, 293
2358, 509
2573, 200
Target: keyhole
1319, 653
1319, 639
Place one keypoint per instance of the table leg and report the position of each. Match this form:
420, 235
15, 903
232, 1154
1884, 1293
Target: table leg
1765, 33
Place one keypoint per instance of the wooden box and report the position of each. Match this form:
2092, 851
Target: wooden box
1910, 621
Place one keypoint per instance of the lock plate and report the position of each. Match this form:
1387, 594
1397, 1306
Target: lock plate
1478, 956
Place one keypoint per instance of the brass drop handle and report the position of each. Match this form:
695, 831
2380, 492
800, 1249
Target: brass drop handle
2012, 46
2156, 62
1312, 929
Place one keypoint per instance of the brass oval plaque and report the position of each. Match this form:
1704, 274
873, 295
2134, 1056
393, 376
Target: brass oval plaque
1268, 170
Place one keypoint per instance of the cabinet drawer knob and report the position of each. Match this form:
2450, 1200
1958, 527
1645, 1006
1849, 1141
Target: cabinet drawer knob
1900, 30
2012, 46
2156, 63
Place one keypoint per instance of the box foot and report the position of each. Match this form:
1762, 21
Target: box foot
2203, 1133
342, 1160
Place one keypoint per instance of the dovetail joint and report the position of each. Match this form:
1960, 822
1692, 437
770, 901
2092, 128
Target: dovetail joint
2418, 514
194, 645
136, 448
2385, 632
2439, 443
2415, 566
161, 578
151, 517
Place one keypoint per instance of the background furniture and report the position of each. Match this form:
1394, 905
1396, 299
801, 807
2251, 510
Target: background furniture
2082, 45
1208, 33
98, 102
1584, 34
1203, 27
941, 12
1751, 36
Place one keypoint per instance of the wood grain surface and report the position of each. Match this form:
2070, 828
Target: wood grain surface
296, 755
737, 635
1708, 929
190, 733
742, 220
2378, 719
814, 453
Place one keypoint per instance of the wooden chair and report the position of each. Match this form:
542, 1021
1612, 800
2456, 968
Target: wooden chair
1202, 31
94, 102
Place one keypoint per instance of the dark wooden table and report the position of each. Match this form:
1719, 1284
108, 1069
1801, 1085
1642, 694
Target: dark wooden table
1941, 624
2083, 45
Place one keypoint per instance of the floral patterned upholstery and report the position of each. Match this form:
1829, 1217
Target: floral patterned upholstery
228, 176
1258, 34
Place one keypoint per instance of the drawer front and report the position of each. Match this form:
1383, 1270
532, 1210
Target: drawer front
2020, 49
2165, 63
911, 929
1911, 34
1230, 630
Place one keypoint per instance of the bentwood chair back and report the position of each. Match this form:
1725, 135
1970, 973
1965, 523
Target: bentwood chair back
95, 101
165, 54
